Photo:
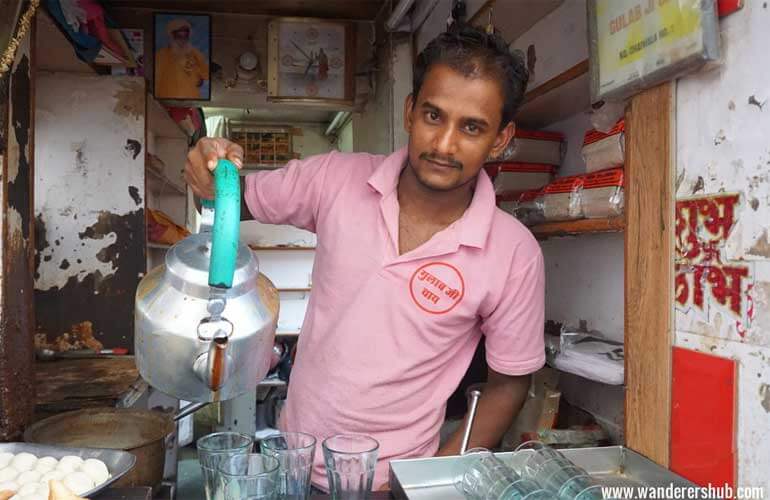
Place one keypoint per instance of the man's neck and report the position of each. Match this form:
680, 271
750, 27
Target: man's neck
440, 207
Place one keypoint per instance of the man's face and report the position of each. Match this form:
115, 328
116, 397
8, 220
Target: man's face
181, 37
454, 126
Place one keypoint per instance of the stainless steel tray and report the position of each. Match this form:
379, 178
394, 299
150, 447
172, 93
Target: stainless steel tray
433, 478
118, 462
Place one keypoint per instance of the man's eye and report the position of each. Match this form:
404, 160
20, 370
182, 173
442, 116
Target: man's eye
432, 116
473, 129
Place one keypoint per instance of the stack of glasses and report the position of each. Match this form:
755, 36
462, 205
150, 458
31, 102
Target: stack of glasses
283, 469
543, 473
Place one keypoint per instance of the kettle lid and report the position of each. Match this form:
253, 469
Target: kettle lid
189, 261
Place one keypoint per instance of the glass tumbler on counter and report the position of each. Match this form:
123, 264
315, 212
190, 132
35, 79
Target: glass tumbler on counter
213, 449
350, 461
248, 477
294, 452
557, 474
480, 475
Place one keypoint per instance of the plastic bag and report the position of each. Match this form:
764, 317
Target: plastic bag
591, 356
534, 146
514, 178
161, 229
603, 194
561, 199
602, 151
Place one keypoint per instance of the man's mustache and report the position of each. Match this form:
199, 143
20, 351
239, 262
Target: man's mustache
443, 160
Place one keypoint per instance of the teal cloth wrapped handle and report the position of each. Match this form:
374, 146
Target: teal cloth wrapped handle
227, 221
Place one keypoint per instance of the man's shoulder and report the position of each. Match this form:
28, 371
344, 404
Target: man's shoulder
513, 239
351, 164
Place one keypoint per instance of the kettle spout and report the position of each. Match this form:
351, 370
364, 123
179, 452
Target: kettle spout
213, 367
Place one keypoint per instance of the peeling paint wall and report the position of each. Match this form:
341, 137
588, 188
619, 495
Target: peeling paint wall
89, 206
723, 207
16, 310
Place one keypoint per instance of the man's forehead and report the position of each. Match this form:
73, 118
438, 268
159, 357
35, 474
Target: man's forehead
444, 86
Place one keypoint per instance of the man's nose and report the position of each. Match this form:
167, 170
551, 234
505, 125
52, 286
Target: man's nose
445, 141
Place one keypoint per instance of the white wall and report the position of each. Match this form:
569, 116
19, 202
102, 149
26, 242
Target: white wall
312, 141
722, 147
289, 269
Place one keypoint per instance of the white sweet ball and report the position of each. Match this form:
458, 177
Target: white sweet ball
54, 475
9, 486
28, 488
5, 459
78, 482
46, 463
43, 489
70, 463
24, 461
8, 473
34, 496
28, 476
96, 470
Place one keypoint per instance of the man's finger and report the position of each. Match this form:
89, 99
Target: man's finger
235, 154
210, 150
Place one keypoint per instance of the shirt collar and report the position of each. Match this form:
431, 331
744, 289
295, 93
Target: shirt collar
473, 227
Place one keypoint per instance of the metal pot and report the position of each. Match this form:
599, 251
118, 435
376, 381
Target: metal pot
204, 327
141, 432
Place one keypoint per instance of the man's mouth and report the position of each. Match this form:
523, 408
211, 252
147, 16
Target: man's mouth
442, 162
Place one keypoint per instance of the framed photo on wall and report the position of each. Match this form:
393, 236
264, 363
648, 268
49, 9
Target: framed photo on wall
310, 60
182, 56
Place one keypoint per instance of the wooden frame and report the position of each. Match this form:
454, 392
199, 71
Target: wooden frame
649, 262
316, 70
184, 86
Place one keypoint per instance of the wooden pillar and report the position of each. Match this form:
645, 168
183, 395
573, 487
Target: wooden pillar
17, 395
649, 271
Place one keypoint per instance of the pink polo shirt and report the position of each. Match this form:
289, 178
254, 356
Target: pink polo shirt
388, 337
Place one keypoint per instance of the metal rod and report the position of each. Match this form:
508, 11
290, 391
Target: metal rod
475, 394
189, 409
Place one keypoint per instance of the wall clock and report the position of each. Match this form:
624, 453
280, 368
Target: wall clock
310, 60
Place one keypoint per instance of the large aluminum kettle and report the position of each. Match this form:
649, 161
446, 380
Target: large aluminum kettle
205, 321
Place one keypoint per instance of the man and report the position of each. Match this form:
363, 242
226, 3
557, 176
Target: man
414, 263
181, 69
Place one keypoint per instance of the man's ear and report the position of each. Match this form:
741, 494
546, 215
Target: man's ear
502, 140
408, 107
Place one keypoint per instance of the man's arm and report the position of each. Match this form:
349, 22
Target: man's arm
289, 195
500, 402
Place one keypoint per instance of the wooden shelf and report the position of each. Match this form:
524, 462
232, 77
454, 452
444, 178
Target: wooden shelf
581, 226
164, 182
557, 99
279, 247
159, 246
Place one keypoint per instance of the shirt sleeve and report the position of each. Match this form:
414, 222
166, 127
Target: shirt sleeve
514, 330
289, 195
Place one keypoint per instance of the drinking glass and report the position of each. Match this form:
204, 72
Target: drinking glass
557, 474
248, 477
483, 476
350, 460
294, 452
215, 448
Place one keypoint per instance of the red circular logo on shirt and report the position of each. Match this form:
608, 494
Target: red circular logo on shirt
437, 287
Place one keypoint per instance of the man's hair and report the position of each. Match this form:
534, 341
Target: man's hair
474, 53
